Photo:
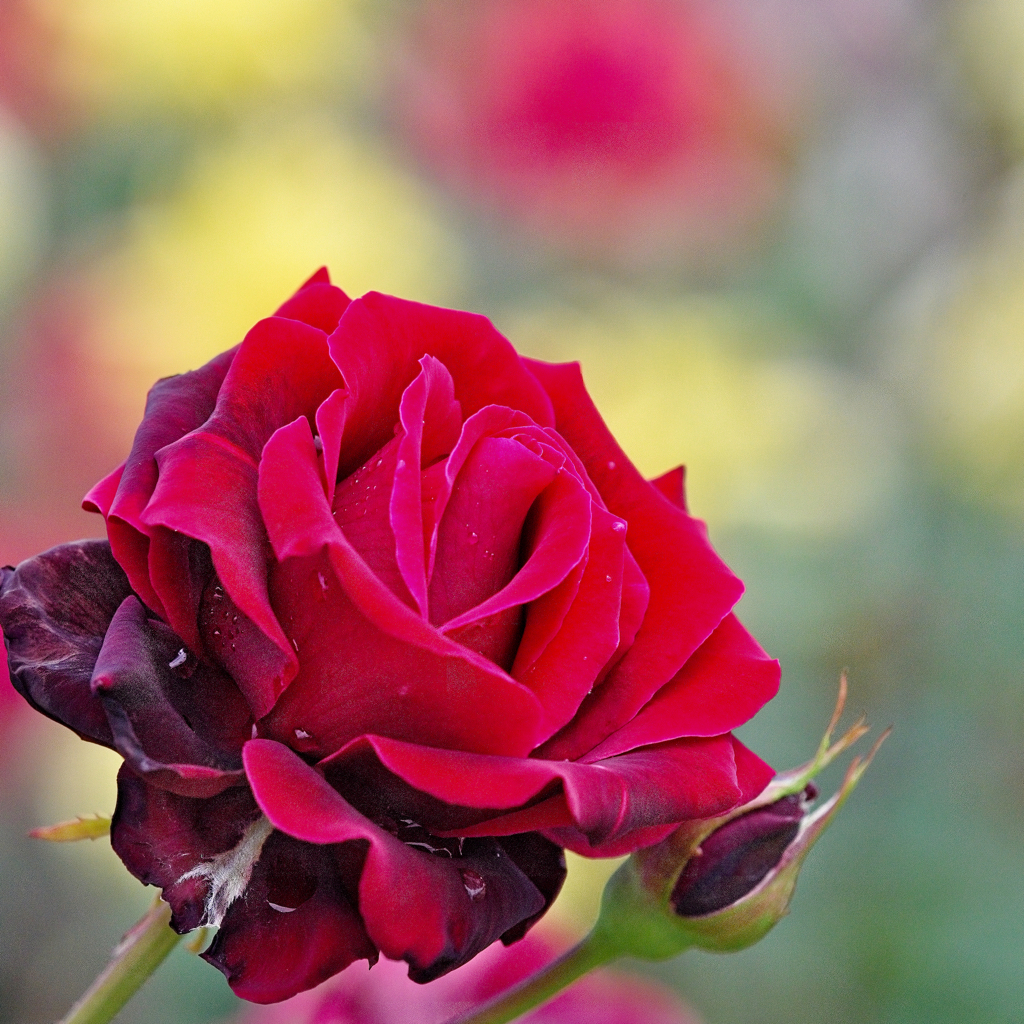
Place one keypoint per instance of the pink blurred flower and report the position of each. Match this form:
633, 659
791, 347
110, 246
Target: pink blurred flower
638, 127
385, 995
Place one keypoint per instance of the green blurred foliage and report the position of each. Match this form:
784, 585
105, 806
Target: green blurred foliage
847, 387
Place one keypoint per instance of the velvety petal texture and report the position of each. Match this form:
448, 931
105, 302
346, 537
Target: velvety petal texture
386, 620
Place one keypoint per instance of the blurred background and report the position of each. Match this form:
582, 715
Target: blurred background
786, 240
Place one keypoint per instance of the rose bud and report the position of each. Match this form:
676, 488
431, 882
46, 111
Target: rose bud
723, 884
386, 619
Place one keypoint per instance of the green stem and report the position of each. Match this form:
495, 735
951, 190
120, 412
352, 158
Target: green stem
137, 956
593, 951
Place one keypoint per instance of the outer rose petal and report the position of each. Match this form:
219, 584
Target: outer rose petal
208, 481
673, 485
294, 927
54, 610
691, 588
317, 303
607, 799
174, 407
435, 912
723, 685
167, 721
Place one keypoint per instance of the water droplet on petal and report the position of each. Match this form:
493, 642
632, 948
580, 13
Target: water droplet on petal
280, 909
400, 464
379, 462
295, 645
301, 734
179, 660
618, 526
607, 579
474, 537
474, 885
403, 691
323, 582
611, 465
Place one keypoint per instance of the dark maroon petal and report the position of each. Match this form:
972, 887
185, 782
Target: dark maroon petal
378, 345
368, 662
161, 837
55, 610
673, 485
179, 723
208, 482
432, 910
293, 928
317, 303
727, 681
736, 857
543, 863
174, 407
691, 588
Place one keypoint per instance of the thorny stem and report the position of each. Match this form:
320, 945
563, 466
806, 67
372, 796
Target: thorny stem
135, 958
593, 951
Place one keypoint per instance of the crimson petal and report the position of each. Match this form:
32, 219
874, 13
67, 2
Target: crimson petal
54, 610
692, 590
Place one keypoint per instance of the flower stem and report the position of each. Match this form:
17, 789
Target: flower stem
136, 957
593, 951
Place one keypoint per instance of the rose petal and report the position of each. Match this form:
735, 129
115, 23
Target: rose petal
378, 344
181, 728
161, 836
294, 928
317, 303
564, 673
431, 421
673, 485
174, 407
368, 662
435, 912
691, 588
54, 611
727, 681
208, 480
672, 782
478, 539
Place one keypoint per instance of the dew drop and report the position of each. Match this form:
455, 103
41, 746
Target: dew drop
611, 465
474, 537
618, 526
295, 645
280, 909
379, 462
179, 660
301, 734
474, 885
323, 581
403, 691
607, 579
216, 632
400, 464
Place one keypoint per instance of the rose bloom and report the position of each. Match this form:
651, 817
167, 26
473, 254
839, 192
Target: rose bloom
386, 619
634, 128
385, 996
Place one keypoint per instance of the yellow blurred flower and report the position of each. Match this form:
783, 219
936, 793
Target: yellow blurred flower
248, 225
960, 359
785, 444
990, 36
190, 53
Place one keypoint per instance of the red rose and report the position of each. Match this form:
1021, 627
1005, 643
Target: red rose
386, 618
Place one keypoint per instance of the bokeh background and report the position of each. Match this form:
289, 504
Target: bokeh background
786, 240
